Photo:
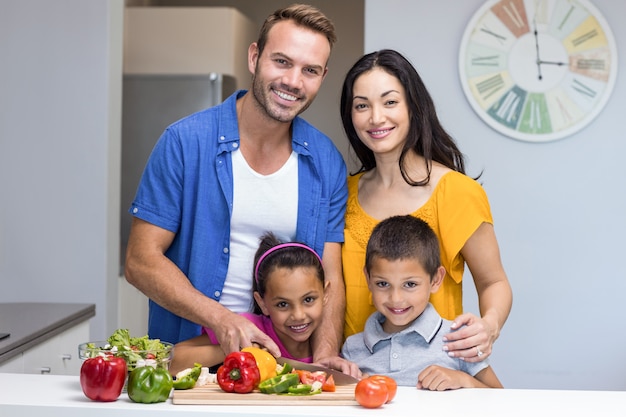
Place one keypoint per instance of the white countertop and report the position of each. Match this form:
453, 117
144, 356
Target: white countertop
54, 395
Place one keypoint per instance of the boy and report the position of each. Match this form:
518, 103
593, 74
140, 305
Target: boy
403, 338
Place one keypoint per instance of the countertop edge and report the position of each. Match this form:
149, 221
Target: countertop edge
85, 312
61, 395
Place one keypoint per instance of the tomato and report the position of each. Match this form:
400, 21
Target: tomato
305, 376
392, 386
329, 384
371, 392
308, 377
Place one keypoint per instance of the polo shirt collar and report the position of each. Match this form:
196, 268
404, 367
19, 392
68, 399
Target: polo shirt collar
426, 325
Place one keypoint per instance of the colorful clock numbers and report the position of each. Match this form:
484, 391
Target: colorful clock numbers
538, 70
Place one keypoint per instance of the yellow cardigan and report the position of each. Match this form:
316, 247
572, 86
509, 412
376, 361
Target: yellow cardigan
457, 207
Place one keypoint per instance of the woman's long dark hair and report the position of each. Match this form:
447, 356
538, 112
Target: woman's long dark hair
426, 136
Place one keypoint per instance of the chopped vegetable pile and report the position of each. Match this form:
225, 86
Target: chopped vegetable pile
241, 373
137, 351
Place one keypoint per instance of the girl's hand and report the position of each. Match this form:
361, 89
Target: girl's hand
472, 338
340, 364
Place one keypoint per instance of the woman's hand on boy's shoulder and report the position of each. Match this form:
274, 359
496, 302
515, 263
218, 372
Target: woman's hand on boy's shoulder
471, 338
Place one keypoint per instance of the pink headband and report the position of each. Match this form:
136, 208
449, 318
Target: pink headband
281, 246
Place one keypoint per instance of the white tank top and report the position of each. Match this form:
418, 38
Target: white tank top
261, 203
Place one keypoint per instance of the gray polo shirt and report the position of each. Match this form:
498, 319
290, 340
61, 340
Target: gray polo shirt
404, 355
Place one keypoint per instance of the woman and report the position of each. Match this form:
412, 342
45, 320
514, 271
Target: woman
410, 165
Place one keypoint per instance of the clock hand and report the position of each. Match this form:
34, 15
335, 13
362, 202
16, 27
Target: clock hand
537, 50
551, 63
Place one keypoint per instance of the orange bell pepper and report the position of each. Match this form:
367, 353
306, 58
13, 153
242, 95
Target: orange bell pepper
264, 360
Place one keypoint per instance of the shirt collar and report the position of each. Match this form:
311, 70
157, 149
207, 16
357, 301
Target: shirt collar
229, 131
426, 325
229, 127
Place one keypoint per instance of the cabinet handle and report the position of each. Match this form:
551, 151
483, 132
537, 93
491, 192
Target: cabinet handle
66, 357
45, 370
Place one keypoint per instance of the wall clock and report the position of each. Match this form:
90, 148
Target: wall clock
538, 70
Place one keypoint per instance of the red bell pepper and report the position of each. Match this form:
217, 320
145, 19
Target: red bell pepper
239, 373
102, 377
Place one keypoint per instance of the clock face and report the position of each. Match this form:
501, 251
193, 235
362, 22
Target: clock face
538, 70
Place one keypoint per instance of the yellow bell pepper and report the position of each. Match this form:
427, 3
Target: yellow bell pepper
264, 361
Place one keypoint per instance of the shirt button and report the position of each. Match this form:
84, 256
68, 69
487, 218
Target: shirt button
135, 210
225, 250
395, 356
216, 293
222, 138
306, 143
235, 145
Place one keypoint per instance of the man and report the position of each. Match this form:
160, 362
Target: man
219, 179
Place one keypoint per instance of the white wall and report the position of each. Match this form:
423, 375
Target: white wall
60, 99
559, 208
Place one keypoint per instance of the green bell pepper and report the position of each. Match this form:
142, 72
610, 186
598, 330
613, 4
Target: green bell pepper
300, 389
187, 378
283, 369
149, 385
279, 384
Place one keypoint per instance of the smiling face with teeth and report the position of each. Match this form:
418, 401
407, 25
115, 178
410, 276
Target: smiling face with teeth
380, 112
288, 73
294, 299
401, 290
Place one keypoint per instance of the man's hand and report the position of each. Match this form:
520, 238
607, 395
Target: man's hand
236, 332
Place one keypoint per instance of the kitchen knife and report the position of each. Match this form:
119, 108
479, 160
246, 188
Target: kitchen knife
339, 377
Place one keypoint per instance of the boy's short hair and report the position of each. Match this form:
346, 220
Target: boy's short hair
404, 237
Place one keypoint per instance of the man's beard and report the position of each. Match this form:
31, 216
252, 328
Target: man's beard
270, 108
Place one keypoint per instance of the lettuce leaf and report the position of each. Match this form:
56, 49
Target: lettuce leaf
120, 338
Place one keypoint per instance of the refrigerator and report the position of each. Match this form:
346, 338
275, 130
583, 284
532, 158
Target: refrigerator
150, 103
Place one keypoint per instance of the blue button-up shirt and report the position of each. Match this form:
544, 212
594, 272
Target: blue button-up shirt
187, 188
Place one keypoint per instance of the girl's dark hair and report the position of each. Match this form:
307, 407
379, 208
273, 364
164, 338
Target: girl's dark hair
290, 257
426, 136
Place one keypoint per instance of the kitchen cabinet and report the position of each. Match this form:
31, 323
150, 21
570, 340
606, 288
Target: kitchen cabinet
44, 337
16, 364
188, 40
58, 355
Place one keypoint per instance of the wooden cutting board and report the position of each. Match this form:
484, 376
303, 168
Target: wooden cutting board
212, 394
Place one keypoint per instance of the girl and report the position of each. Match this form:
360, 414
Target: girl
289, 294
410, 165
